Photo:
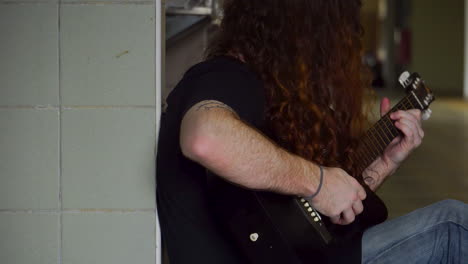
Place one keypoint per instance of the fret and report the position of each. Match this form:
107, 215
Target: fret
381, 131
360, 163
396, 107
404, 104
371, 146
367, 153
364, 150
365, 161
393, 130
371, 140
377, 139
410, 103
386, 131
407, 103
401, 105
368, 157
387, 124
365, 156
383, 123
379, 136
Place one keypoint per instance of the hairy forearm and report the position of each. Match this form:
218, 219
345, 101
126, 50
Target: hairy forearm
375, 175
221, 142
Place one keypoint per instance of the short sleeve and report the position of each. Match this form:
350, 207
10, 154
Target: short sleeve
238, 89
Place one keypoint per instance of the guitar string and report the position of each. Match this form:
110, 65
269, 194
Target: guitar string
372, 143
374, 131
368, 148
384, 124
381, 139
366, 154
385, 137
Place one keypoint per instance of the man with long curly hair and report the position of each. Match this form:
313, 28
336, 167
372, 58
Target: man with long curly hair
278, 104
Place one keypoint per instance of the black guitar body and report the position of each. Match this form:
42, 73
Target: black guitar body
273, 228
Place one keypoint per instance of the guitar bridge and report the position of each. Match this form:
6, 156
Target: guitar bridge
315, 219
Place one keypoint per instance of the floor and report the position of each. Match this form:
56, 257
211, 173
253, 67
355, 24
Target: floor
438, 169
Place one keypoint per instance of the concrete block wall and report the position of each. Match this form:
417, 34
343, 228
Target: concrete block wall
78, 109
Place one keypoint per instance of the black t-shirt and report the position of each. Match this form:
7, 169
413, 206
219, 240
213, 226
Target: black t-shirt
188, 227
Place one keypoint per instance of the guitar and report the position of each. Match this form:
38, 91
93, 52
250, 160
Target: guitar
274, 228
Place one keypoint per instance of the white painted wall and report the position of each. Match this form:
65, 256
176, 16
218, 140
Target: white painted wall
159, 80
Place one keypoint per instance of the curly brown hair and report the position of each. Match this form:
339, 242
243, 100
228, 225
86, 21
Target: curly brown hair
308, 54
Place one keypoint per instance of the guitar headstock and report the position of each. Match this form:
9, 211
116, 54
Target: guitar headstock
415, 87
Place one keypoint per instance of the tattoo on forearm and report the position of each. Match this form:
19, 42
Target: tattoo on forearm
208, 105
369, 181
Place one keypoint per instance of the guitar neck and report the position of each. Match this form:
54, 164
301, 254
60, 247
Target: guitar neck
380, 135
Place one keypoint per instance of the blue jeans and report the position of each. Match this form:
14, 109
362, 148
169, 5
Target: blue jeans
434, 234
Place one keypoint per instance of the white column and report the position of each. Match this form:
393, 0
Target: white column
160, 13
465, 71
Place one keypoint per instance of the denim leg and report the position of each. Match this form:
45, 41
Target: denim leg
434, 234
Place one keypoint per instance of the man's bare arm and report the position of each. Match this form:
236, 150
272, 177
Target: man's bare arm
213, 135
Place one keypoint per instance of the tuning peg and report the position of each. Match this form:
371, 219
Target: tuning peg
404, 78
427, 114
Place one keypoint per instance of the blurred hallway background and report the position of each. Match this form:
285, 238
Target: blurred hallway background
426, 37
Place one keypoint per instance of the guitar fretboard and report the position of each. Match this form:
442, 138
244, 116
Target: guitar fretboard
380, 135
